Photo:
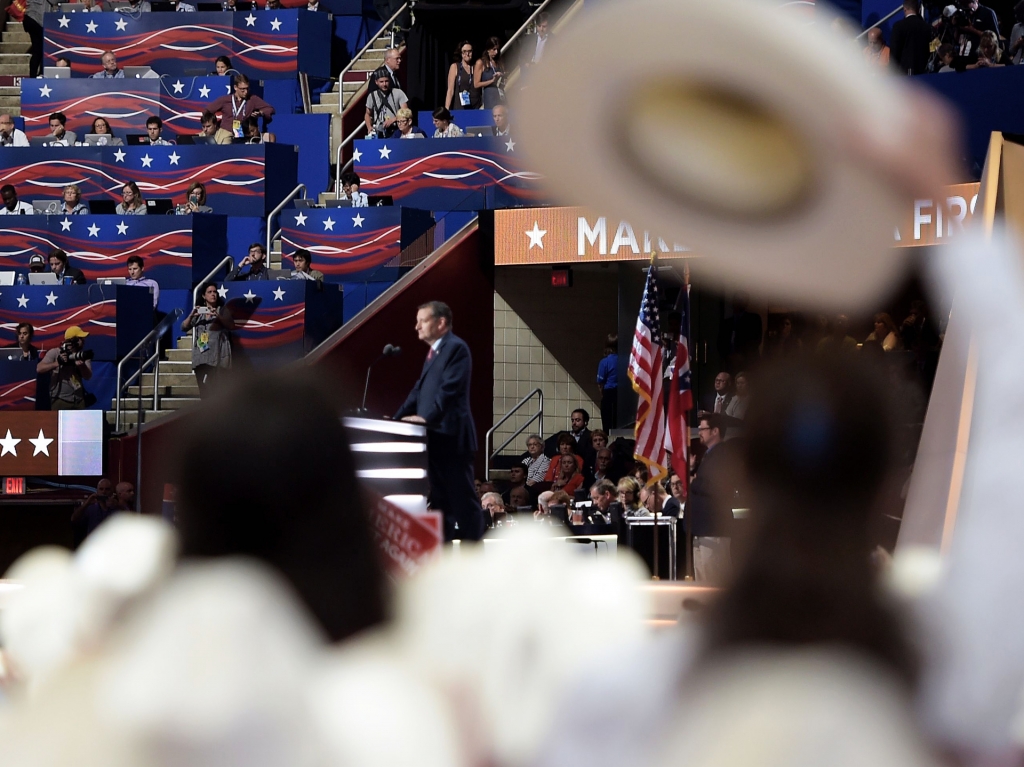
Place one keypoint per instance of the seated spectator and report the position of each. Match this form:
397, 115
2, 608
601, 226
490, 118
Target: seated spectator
12, 207
629, 495
9, 135
494, 507
598, 440
68, 368
303, 261
382, 108
100, 127
886, 333
251, 132
677, 495
484, 488
273, 5
520, 498
501, 127
550, 498
990, 55
516, 478
63, 63
25, 332
946, 55
132, 203
738, 406
211, 127
350, 190
242, 104
36, 264
489, 74
59, 266
155, 129
839, 340
135, 6
566, 446
443, 125
653, 498
73, 205
1015, 49
137, 276
876, 52
59, 135
462, 93
602, 468
88, 6
195, 201
110, 70
222, 65
257, 263
535, 461
569, 477
405, 127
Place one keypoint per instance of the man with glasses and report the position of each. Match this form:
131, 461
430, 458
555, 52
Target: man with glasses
709, 507
9, 135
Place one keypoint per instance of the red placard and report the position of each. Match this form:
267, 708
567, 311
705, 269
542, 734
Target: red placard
407, 541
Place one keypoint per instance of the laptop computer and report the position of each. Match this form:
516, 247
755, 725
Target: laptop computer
96, 139
42, 278
57, 73
304, 203
101, 207
7, 278
337, 203
478, 130
46, 206
70, 8
280, 274
139, 72
135, 139
159, 206
379, 200
112, 280
42, 141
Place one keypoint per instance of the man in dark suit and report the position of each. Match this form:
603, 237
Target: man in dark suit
911, 37
718, 400
708, 512
440, 400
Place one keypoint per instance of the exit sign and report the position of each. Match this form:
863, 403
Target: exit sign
14, 485
561, 277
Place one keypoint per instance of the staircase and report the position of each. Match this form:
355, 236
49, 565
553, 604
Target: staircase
178, 388
14, 58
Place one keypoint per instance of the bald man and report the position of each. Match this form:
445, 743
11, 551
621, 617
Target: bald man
9, 135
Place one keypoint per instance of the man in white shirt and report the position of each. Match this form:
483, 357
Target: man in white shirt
11, 206
9, 135
154, 127
542, 38
110, 70
502, 128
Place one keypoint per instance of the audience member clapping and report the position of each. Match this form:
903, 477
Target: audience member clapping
462, 93
100, 127
12, 205
489, 74
131, 203
444, 127
72, 204
382, 107
405, 127
110, 70
59, 135
9, 135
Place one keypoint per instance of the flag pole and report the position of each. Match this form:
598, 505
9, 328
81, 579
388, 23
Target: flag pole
654, 485
688, 571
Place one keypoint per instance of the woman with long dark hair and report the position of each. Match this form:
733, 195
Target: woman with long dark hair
489, 74
210, 322
462, 92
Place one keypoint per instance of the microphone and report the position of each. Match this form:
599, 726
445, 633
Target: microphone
390, 350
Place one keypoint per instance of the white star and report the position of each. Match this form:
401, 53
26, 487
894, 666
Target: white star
279, 294
227, 88
222, 291
300, 219
328, 224
42, 444
65, 225
119, 156
51, 299
204, 92
91, 27
63, 21
356, 155
174, 157
385, 153
121, 25
250, 20
146, 160
122, 228
249, 296
94, 231
178, 86
9, 445
358, 221
22, 302
275, 24
510, 146
536, 237
45, 91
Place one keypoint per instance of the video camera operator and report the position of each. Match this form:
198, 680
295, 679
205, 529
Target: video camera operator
69, 365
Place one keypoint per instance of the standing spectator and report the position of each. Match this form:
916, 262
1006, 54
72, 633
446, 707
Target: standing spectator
92, 511
33, 23
242, 104
110, 70
489, 74
839, 340
11, 206
982, 18
9, 135
388, 8
350, 182
501, 127
405, 127
718, 401
785, 342
72, 204
989, 53
136, 276
536, 43
68, 368
462, 92
256, 260
443, 125
25, 332
58, 260
100, 127
535, 461
131, 203
739, 336
710, 503
737, 408
876, 52
392, 61
886, 333
382, 108
911, 40
608, 381
210, 323
1015, 50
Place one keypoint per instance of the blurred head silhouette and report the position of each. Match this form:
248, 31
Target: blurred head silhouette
265, 472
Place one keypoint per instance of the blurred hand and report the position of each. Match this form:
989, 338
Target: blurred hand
415, 419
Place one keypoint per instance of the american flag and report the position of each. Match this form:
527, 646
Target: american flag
645, 373
680, 395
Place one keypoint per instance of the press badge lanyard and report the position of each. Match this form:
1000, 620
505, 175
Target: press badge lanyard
236, 112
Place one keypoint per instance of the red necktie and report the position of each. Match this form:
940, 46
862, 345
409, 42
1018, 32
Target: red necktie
431, 354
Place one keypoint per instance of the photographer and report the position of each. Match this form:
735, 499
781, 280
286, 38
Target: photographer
69, 365
209, 322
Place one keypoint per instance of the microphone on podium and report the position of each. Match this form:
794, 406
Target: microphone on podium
390, 350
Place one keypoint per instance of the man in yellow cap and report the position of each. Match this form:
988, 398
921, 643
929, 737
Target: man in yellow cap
69, 365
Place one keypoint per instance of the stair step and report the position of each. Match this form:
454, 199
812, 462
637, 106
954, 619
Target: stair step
176, 366
382, 43
324, 109
14, 70
10, 102
168, 391
15, 37
166, 403
10, 90
18, 46
170, 379
15, 26
331, 97
179, 355
130, 418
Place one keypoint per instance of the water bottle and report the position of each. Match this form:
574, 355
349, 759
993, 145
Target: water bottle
21, 278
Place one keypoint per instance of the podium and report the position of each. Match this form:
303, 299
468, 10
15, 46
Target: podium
639, 536
391, 459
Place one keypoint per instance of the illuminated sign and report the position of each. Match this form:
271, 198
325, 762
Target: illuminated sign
45, 443
934, 222
14, 485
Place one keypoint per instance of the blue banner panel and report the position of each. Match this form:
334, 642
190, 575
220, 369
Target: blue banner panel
17, 384
52, 309
346, 243
444, 174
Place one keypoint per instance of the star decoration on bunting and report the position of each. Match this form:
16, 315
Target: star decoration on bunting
9, 445
328, 224
385, 153
51, 299
91, 27
358, 221
300, 219
356, 155
275, 25
41, 444
249, 296
222, 291
510, 146
536, 236
94, 231
22, 302
65, 225
121, 25
119, 156
250, 20
63, 21
45, 91
174, 157
178, 86
122, 228
279, 294
204, 92
146, 160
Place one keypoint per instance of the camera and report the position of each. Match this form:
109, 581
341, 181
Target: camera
68, 348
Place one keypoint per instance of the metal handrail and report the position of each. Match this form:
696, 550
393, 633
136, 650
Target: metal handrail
881, 21
227, 261
525, 26
155, 333
365, 48
538, 416
337, 160
280, 206
307, 99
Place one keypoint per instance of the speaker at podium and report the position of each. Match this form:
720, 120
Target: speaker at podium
391, 459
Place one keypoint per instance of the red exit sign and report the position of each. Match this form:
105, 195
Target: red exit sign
14, 485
